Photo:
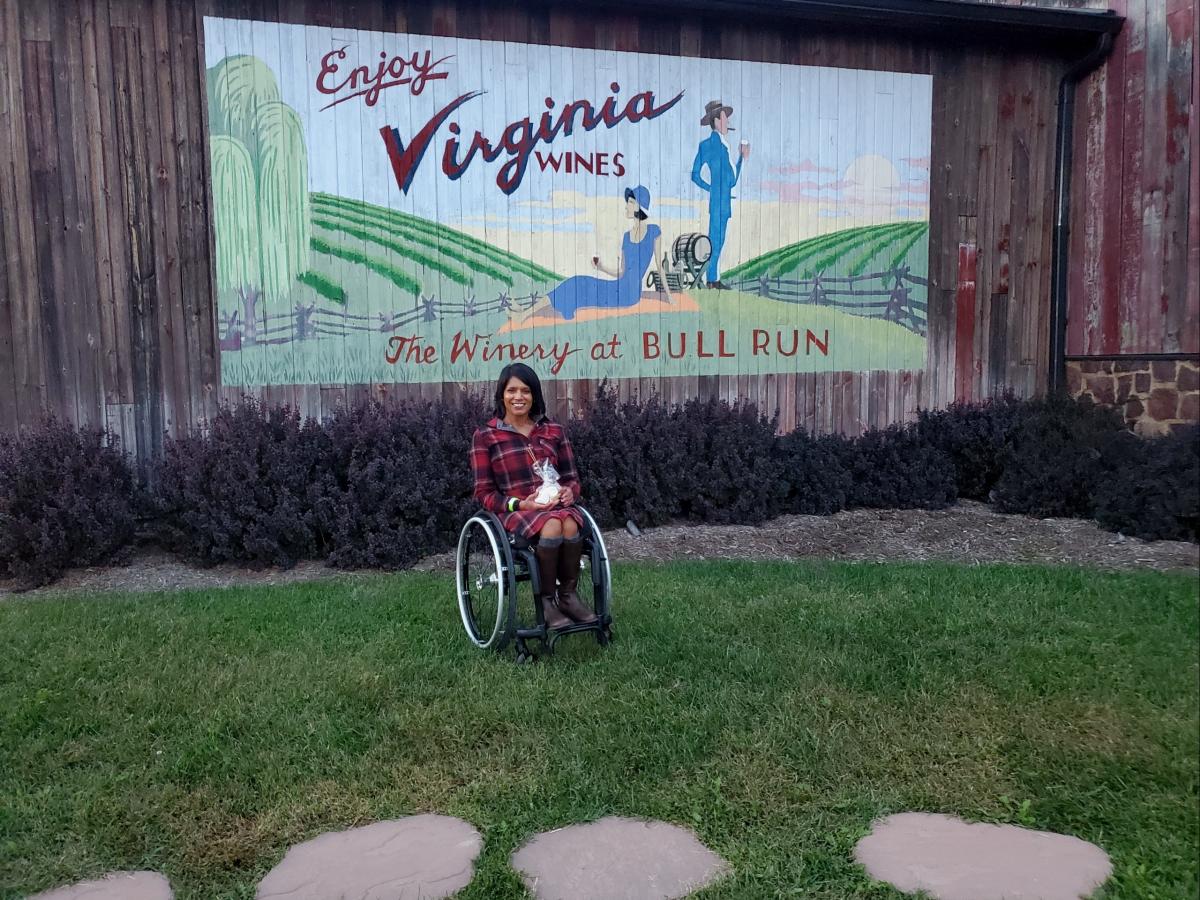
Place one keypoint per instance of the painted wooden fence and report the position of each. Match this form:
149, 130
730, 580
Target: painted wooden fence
885, 295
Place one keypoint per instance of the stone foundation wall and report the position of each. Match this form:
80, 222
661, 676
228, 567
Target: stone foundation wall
1156, 397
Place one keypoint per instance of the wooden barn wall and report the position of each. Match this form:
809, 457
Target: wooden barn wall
107, 311
1136, 283
1135, 239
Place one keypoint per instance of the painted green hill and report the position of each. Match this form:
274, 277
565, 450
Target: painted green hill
357, 244
851, 251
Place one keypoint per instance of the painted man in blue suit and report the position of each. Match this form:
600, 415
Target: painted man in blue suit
723, 173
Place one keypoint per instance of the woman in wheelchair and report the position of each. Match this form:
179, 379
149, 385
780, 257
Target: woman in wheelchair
507, 455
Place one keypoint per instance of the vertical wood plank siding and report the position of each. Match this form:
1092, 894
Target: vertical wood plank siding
106, 247
1135, 246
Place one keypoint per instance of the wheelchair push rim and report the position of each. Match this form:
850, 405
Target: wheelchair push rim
598, 574
485, 589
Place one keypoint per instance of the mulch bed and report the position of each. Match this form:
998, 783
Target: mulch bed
971, 533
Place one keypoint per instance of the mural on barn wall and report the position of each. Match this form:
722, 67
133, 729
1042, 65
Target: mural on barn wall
405, 208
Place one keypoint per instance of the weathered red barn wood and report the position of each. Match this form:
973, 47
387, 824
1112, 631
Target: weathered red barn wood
965, 301
1135, 289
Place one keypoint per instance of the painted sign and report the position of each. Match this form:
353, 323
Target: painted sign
405, 208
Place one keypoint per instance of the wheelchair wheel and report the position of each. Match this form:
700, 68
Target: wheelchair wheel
486, 588
595, 581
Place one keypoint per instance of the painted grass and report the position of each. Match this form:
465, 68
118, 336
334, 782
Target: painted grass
250, 368
907, 245
785, 259
404, 251
858, 343
376, 264
840, 260
772, 259
866, 259
846, 252
442, 232
380, 230
807, 266
774, 708
324, 286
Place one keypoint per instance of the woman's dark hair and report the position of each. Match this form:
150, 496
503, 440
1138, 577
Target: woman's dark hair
641, 214
523, 373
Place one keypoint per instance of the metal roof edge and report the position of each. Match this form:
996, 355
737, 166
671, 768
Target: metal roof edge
940, 19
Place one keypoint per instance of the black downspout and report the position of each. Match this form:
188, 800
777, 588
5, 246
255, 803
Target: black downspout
1059, 253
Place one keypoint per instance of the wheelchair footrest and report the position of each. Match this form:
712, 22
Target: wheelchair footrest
549, 637
574, 628
579, 627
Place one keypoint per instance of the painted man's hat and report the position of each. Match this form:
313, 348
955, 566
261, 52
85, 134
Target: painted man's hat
639, 194
714, 108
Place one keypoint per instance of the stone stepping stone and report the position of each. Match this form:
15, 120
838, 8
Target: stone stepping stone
617, 859
114, 886
418, 856
955, 860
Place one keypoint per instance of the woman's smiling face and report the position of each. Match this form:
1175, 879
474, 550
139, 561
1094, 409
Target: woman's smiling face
518, 398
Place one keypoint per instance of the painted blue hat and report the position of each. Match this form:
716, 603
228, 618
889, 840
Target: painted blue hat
640, 194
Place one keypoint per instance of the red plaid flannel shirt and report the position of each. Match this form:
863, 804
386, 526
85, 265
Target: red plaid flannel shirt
503, 466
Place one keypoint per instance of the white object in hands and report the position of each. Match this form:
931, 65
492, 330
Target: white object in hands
550, 488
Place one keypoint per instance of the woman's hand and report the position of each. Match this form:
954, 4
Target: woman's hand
565, 497
530, 504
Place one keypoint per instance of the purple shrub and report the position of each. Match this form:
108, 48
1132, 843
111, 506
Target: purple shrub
1052, 463
614, 447
974, 436
382, 487
891, 468
719, 463
703, 461
398, 483
815, 473
67, 498
1151, 486
245, 490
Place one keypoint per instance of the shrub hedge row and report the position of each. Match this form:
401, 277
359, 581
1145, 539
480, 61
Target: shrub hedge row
378, 486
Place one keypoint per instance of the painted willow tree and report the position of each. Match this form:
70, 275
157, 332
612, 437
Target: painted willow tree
260, 186
235, 219
283, 205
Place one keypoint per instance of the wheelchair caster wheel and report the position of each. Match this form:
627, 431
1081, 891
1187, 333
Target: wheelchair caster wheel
525, 656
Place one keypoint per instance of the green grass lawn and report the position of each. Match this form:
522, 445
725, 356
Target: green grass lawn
775, 709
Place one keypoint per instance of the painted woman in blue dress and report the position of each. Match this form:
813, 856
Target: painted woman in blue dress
640, 247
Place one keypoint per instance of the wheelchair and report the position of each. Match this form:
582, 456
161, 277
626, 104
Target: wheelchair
490, 563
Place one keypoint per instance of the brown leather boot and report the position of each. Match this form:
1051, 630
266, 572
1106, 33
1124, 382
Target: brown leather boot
547, 552
568, 580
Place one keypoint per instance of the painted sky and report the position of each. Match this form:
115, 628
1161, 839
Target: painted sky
829, 147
